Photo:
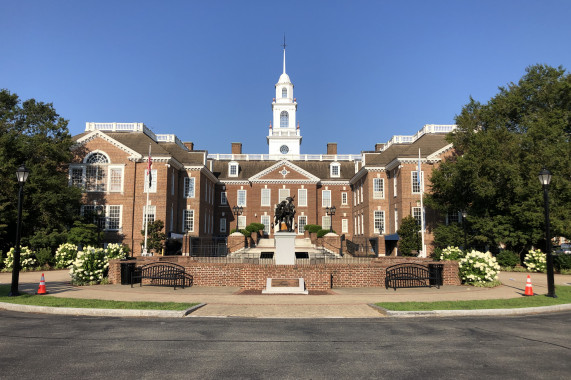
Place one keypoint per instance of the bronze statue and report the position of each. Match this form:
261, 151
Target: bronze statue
285, 212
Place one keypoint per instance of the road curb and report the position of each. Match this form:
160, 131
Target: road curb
99, 312
473, 313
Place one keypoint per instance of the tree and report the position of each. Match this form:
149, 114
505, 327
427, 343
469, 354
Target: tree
33, 134
409, 236
155, 238
500, 147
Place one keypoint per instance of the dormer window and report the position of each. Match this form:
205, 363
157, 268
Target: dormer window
284, 119
335, 170
233, 169
284, 92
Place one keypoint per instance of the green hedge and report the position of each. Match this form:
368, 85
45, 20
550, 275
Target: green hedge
312, 228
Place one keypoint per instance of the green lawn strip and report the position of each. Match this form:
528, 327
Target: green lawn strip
46, 300
563, 296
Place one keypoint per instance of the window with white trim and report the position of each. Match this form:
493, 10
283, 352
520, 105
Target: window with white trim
283, 194
223, 198
302, 197
344, 199
233, 169
416, 187
76, 177
358, 225
335, 170
172, 183
110, 220
189, 187
301, 223
379, 220
326, 198
361, 192
362, 224
396, 220
153, 188
355, 198
241, 198
188, 220
326, 222
395, 183
266, 220
284, 92
149, 213
344, 226
266, 197
223, 225
417, 214
284, 119
378, 188
241, 222
95, 178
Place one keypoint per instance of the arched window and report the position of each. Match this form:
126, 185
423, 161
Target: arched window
284, 92
284, 119
96, 158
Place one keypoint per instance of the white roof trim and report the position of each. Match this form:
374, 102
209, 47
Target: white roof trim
435, 155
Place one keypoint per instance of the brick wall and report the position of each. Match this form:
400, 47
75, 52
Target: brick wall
317, 277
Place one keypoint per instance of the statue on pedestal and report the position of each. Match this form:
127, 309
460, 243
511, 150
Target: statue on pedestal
285, 212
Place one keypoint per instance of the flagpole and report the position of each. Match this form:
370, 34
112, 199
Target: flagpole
421, 181
146, 213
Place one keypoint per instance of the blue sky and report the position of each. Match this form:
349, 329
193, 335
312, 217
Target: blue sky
205, 70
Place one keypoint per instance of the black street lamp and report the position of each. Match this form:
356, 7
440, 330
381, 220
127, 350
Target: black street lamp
98, 215
464, 216
237, 210
545, 178
330, 211
22, 175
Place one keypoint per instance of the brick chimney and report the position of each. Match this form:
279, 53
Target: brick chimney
379, 147
236, 148
189, 145
331, 148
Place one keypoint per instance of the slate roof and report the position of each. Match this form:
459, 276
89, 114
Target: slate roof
428, 144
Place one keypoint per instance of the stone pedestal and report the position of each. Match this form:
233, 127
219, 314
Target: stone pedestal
285, 248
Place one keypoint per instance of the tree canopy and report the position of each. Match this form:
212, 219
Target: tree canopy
410, 241
500, 148
33, 134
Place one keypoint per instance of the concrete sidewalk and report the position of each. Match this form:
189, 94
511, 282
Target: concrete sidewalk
231, 302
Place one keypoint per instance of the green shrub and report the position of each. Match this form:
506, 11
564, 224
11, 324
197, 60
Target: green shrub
116, 251
44, 256
89, 267
322, 233
451, 253
435, 254
313, 228
507, 259
27, 260
245, 232
65, 255
478, 268
562, 262
535, 261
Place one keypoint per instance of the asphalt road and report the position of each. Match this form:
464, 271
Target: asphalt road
34, 346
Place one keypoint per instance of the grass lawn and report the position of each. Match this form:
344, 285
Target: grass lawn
45, 300
563, 296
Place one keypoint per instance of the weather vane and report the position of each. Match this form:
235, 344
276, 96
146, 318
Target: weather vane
284, 45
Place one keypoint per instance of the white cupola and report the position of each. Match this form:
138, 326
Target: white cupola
284, 138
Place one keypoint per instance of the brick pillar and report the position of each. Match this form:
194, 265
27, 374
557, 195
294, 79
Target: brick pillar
236, 241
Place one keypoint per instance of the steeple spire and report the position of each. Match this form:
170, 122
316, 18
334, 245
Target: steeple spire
284, 45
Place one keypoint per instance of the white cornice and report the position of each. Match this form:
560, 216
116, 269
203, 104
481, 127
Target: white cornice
95, 134
204, 170
334, 183
435, 155
231, 182
285, 181
364, 170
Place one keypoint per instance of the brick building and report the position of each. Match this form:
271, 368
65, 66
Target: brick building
193, 191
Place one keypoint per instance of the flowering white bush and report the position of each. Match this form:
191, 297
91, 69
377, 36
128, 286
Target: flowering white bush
65, 255
451, 253
478, 268
115, 251
89, 266
27, 260
535, 261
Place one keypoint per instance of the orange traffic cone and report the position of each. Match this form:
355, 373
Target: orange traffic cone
42, 288
528, 287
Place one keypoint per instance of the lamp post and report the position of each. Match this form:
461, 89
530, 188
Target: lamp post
98, 214
237, 210
22, 175
464, 216
545, 178
330, 211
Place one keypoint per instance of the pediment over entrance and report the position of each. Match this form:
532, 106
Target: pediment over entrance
282, 172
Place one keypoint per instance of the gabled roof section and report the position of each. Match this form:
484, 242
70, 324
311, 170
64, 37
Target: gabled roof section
88, 136
428, 145
284, 171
